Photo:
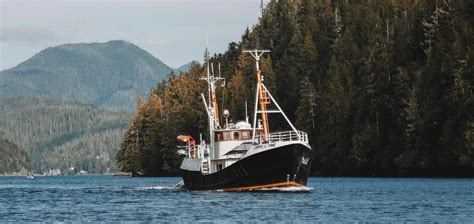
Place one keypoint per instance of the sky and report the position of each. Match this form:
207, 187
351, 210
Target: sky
174, 31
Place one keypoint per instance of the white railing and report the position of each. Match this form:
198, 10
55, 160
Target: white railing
285, 136
194, 152
197, 152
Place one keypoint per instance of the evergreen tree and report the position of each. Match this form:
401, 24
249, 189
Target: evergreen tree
382, 87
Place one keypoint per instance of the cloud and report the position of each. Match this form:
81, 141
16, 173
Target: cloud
26, 34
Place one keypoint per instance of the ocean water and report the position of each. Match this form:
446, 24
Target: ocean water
122, 199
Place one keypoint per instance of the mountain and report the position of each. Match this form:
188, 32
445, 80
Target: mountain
58, 134
185, 67
107, 74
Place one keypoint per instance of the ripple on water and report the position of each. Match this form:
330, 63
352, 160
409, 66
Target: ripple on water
121, 199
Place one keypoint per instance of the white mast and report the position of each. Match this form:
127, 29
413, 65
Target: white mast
263, 98
212, 109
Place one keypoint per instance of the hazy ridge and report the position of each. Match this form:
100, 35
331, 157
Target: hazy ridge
107, 74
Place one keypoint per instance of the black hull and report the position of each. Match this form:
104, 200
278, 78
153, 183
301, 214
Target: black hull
279, 167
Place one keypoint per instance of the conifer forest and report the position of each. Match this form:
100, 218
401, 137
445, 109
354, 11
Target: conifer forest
383, 88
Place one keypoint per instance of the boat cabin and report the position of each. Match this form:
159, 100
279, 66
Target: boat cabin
233, 135
241, 131
232, 142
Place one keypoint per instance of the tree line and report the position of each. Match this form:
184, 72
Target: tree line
51, 133
383, 88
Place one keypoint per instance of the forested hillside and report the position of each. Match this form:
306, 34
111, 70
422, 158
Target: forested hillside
109, 75
13, 158
384, 88
59, 134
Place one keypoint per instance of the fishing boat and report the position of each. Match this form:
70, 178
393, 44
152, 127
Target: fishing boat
242, 156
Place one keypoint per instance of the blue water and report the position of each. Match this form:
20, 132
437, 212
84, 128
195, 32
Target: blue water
108, 198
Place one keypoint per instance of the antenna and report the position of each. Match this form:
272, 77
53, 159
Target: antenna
223, 94
206, 53
246, 114
212, 67
219, 67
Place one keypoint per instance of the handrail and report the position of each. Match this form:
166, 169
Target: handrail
196, 151
286, 136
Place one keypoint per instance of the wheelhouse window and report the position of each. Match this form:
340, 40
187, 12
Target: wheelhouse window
219, 137
232, 135
245, 135
228, 136
236, 135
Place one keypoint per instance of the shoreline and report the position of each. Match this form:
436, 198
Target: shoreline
311, 176
409, 173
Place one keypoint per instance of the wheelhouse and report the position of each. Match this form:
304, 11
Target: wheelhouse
234, 135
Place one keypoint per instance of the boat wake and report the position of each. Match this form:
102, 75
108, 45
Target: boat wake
289, 189
295, 189
156, 188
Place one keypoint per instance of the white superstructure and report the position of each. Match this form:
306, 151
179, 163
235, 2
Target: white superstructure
232, 142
